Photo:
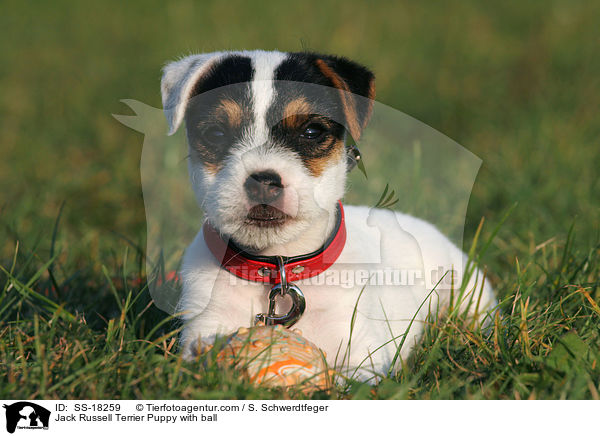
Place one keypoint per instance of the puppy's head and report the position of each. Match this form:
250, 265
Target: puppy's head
266, 134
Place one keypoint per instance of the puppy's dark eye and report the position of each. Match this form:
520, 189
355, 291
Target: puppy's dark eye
313, 131
215, 135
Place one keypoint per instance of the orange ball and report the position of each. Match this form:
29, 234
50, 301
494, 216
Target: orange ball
275, 356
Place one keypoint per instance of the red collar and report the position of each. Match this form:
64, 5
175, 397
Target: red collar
264, 268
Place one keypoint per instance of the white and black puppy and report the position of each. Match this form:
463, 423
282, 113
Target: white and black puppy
268, 162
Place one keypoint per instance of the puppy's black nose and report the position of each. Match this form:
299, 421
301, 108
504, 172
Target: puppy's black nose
264, 187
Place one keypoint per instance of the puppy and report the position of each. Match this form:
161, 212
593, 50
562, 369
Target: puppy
268, 136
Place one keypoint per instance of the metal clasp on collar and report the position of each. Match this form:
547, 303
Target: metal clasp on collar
279, 290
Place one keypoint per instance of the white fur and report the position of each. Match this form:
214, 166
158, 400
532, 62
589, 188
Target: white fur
384, 312
216, 302
263, 92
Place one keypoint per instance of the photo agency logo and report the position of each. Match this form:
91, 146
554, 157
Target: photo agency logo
24, 415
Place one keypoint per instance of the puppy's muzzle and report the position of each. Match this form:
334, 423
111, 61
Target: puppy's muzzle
264, 187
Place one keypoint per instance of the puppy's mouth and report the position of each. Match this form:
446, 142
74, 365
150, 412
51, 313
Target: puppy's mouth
264, 215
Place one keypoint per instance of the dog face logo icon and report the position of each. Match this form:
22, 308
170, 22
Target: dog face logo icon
26, 415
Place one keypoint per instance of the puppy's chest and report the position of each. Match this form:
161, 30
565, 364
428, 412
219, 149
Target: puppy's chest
363, 268
332, 296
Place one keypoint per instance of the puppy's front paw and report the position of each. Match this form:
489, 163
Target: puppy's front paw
192, 348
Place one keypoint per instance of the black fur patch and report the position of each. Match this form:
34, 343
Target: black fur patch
229, 70
226, 80
303, 69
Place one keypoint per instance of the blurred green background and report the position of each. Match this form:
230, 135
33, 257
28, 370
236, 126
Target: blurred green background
516, 83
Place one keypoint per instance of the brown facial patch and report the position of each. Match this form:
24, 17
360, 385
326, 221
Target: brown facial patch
317, 165
295, 112
213, 126
303, 125
346, 97
199, 153
230, 112
218, 109
211, 168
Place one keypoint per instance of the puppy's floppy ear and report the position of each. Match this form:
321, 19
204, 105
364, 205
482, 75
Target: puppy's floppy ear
178, 82
350, 78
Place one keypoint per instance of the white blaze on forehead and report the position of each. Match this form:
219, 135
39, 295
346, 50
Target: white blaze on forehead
263, 91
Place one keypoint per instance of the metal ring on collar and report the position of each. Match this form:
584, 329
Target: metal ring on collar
282, 275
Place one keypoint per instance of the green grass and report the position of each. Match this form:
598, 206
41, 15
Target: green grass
517, 84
